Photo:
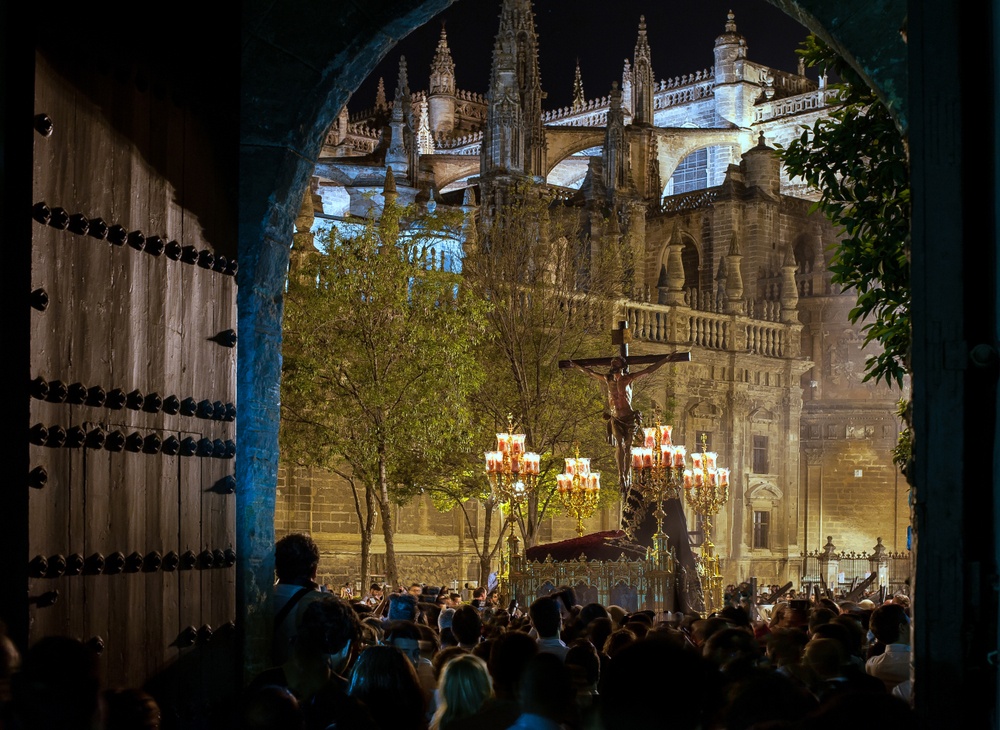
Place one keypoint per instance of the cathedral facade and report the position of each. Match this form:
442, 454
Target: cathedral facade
682, 179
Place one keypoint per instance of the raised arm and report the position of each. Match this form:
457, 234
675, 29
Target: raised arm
649, 370
588, 371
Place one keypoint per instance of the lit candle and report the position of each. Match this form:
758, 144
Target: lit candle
515, 465
687, 478
724, 477
666, 435
679, 452
650, 434
696, 461
517, 444
698, 478
636, 457
710, 457
570, 467
502, 442
597, 479
647, 458
712, 477
666, 454
584, 466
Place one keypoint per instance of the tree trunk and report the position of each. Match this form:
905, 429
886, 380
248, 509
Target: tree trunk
485, 554
530, 524
366, 521
367, 530
388, 525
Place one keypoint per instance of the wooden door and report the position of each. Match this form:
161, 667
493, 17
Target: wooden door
131, 513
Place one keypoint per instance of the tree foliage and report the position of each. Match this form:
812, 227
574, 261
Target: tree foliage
548, 299
379, 360
856, 158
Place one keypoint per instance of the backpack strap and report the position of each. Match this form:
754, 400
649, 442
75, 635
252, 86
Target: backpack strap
279, 618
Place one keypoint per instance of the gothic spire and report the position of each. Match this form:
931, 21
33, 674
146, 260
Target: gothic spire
400, 124
627, 87
514, 138
442, 67
402, 82
425, 140
644, 83
380, 103
578, 101
730, 22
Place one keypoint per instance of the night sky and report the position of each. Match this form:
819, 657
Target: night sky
601, 34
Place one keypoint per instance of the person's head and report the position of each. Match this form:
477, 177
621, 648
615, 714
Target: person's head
825, 657
546, 688
405, 636
890, 624
545, 617
296, 558
386, 682
509, 655
733, 651
129, 709
467, 625
618, 367
818, 616
402, 607
737, 617
479, 594
463, 687
785, 646
329, 626
648, 676
590, 612
617, 641
584, 664
271, 708
598, 632
415, 590
62, 668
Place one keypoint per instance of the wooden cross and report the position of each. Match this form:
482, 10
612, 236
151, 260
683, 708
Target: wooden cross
621, 337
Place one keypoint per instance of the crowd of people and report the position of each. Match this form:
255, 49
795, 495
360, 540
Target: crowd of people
422, 658
430, 659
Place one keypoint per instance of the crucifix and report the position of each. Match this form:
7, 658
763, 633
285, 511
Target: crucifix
623, 421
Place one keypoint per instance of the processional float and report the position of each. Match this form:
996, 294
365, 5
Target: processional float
659, 472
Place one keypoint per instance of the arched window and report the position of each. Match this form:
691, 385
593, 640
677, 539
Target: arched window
691, 174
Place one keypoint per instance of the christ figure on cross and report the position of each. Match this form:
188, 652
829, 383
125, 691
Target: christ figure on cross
624, 421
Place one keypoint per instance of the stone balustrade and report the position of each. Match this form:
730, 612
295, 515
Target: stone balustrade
691, 327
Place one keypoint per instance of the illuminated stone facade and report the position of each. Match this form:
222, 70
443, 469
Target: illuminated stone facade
682, 177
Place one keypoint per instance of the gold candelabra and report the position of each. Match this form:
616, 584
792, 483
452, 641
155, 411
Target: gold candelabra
579, 489
512, 471
657, 471
706, 488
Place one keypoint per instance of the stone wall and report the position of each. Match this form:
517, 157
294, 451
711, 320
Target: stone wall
432, 546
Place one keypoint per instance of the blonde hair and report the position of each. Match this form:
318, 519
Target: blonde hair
464, 686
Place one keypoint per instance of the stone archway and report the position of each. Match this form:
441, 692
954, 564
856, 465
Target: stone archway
300, 63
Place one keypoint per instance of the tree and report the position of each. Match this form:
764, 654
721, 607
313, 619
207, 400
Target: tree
462, 486
378, 364
549, 299
857, 159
